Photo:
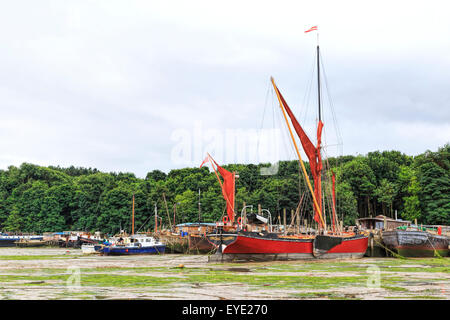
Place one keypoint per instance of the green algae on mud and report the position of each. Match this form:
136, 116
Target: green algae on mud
262, 275
120, 280
106, 280
37, 257
158, 277
391, 288
404, 265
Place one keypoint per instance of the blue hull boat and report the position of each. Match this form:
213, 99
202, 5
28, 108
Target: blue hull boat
135, 244
129, 250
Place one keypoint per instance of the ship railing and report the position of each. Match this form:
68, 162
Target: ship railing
269, 219
269, 215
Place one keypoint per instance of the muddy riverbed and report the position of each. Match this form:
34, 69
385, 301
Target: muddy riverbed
51, 273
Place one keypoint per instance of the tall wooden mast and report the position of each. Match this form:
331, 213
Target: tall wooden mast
156, 218
318, 83
319, 105
199, 207
319, 176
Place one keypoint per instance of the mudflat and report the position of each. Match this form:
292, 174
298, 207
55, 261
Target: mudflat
59, 273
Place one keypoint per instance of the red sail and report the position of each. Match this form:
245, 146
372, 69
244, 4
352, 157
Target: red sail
227, 188
312, 152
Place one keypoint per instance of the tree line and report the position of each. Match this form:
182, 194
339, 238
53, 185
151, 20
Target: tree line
46, 199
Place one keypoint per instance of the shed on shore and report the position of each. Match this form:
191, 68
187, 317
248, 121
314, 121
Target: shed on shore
378, 222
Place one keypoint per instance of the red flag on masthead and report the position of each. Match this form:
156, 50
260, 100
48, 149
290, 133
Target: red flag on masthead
312, 29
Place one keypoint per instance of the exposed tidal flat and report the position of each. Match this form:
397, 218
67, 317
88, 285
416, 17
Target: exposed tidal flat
52, 273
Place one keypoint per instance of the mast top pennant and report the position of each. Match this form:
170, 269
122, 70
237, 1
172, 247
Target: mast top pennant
311, 29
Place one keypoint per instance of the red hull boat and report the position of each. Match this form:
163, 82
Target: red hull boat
252, 246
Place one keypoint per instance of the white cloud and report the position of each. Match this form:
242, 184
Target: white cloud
105, 84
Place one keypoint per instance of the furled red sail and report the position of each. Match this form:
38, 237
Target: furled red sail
228, 187
312, 152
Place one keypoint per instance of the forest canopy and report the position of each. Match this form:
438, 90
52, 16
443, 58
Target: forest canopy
49, 199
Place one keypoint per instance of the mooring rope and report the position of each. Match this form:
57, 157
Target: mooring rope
436, 253
392, 252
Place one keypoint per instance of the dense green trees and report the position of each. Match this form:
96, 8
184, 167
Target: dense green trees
39, 199
433, 174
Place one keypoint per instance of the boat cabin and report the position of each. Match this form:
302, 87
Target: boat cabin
134, 240
194, 228
379, 222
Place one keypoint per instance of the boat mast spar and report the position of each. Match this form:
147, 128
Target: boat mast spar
334, 218
316, 199
132, 218
318, 80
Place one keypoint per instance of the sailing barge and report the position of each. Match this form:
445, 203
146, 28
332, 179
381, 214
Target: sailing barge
252, 246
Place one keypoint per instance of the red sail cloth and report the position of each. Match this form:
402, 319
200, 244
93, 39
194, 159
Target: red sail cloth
227, 188
313, 154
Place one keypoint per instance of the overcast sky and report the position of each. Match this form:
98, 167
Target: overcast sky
130, 85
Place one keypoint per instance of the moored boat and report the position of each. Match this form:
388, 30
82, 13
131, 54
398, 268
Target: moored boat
198, 243
188, 238
133, 244
253, 246
175, 242
8, 240
416, 243
220, 238
351, 246
373, 227
226, 233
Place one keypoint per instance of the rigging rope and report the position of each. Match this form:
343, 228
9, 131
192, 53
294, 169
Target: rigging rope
306, 98
262, 120
330, 100
387, 249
